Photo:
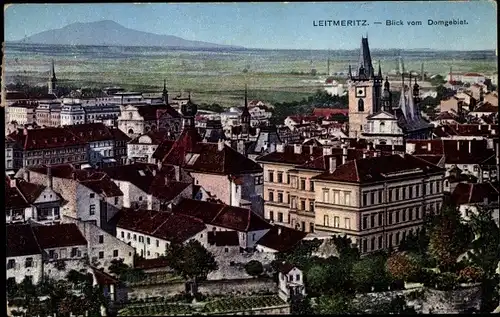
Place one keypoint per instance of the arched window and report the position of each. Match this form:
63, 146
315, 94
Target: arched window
382, 127
130, 131
361, 105
130, 115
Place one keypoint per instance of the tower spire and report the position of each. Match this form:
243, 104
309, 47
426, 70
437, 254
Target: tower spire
52, 79
379, 71
165, 92
246, 97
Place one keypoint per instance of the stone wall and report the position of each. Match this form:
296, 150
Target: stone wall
221, 287
428, 300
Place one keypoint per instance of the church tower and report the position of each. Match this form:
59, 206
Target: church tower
52, 80
245, 118
364, 91
387, 97
164, 94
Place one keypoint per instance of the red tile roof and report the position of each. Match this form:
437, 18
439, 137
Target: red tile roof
163, 149
486, 107
173, 227
59, 236
90, 132
29, 190
235, 218
14, 199
157, 137
466, 193
327, 112
223, 238
46, 138
288, 156
21, 241
154, 112
380, 168
455, 151
281, 238
119, 135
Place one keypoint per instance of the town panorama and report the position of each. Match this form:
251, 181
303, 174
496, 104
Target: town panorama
363, 184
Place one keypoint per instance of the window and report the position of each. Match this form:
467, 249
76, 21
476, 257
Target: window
380, 246
141, 239
411, 192
311, 227
347, 223
303, 205
326, 196
92, 195
365, 199
410, 215
280, 197
92, 209
303, 226
271, 196
297, 277
336, 198
390, 217
253, 236
74, 252
372, 220
418, 212
431, 185
380, 200
417, 191
271, 215
302, 184
115, 253
101, 255
123, 234
101, 239
280, 177
380, 219
365, 222
135, 237
361, 105
11, 264
372, 244
128, 235
148, 241
326, 221
390, 240
140, 198
271, 176
372, 198
390, 195
397, 216
365, 245
288, 178
404, 214
280, 217
347, 197
397, 238
396, 194
404, 193
311, 206
51, 254
311, 185
116, 200
336, 222
226, 250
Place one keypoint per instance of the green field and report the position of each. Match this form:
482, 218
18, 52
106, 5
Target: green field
213, 77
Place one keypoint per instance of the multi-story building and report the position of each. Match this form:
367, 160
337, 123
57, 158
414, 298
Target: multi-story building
142, 148
49, 146
72, 114
135, 120
48, 114
377, 201
90, 196
120, 146
222, 171
27, 201
21, 112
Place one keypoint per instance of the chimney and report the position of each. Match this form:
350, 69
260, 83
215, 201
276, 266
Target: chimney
25, 131
27, 175
280, 148
279, 230
13, 182
159, 165
489, 127
344, 154
154, 172
485, 200
311, 149
297, 148
332, 164
470, 146
220, 145
49, 177
458, 145
364, 154
428, 146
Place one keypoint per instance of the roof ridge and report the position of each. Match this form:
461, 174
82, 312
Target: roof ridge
471, 189
356, 169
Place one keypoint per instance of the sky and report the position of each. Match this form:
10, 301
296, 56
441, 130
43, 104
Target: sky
279, 25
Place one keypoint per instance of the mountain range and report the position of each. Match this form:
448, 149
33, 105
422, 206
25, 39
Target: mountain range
110, 33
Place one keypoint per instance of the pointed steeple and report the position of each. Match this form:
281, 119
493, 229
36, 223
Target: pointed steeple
350, 72
165, 92
365, 58
245, 117
52, 80
53, 72
379, 71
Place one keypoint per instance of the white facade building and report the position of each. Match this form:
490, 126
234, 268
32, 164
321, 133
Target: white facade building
72, 114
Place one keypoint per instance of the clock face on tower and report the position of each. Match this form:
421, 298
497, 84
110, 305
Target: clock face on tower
360, 92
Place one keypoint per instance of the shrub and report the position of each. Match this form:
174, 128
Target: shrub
470, 274
402, 267
446, 281
428, 278
254, 268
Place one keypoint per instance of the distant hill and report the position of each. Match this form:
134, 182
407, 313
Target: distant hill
110, 33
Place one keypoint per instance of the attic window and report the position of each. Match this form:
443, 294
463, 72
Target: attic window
142, 173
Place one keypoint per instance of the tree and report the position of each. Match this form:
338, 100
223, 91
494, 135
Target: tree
191, 260
449, 238
437, 80
117, 267
254, 268
336, 304
318, 279
402, 267
370, 272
